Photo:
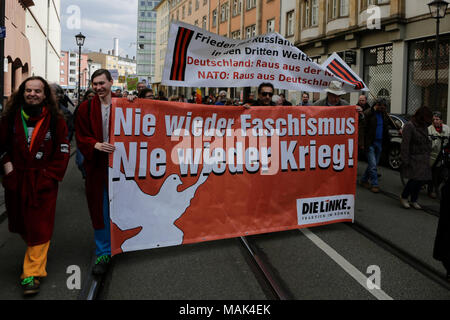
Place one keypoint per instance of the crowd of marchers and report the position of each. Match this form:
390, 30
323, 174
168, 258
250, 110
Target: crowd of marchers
36, 129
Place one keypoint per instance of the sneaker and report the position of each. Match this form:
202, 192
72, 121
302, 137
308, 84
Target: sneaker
405, 203
416, 206
375, 189
101, 265
30, 285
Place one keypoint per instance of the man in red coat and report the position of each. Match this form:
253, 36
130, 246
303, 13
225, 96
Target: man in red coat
92, 136
33, 136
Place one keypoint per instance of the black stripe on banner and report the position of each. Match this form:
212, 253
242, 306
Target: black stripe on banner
341, 74
345, 74
179, 39
350, 73
186, 44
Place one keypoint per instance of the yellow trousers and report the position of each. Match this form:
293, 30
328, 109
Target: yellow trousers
35, 261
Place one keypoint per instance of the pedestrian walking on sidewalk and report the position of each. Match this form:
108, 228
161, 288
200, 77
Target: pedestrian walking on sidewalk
376, 134
441, 250
92, 123
415, 155
34, 133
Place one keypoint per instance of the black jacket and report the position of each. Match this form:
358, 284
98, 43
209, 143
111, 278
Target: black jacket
441, 250
370, 127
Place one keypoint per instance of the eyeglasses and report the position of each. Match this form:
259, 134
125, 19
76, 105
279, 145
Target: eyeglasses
264, 94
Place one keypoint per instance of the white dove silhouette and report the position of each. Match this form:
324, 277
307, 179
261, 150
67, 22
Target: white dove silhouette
155, 214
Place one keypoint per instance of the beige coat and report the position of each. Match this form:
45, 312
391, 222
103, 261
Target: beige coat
436, 143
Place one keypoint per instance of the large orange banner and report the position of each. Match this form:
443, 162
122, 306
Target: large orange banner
184, 173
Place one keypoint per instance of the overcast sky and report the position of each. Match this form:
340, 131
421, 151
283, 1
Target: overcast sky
100, 21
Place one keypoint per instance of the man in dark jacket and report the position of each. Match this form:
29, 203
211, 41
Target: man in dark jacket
265, 94
362, 102
376, 133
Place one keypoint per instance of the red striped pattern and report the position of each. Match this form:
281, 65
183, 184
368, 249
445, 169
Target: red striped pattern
340, 71
183, 39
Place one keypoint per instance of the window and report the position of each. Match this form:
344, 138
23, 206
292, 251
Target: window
314, 12
307, 14
236, 34
204, 21
333, 9
377, 62
250, 31
237, 4
366, 3
337, 9
290, 23
224, 12
251, 4
422, 62
214, 18
311, 13
270, 25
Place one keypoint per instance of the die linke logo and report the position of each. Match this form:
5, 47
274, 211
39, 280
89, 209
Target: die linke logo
321, 209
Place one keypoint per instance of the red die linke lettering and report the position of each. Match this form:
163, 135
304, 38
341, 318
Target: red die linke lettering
324, 206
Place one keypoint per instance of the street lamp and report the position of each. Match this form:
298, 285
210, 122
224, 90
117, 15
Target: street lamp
80, 42
437, 11
89, 71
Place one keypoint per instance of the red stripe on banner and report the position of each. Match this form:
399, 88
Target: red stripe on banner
186, 39
338, 73
176, 55
350, 76
345, 70
341, 72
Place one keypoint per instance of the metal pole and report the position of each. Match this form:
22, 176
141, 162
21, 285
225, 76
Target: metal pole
79, 75
436, 92
2, 54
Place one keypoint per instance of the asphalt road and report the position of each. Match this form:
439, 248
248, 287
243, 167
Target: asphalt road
329, 262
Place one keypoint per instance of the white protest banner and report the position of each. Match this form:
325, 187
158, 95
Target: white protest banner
197, 58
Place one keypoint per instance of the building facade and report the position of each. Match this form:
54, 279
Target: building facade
69, 71
162, 23
120, 67
390, 44
237, 19
43, 29
146, 40
17, 46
